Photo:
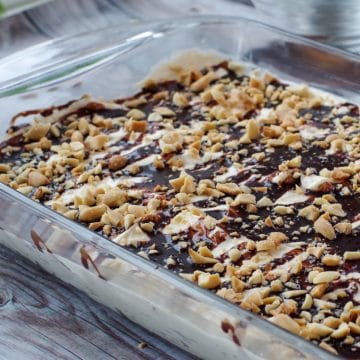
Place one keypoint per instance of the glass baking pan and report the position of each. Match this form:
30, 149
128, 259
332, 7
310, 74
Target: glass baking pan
108, 64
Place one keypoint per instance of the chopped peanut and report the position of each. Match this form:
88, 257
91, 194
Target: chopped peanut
36, 178
324, 228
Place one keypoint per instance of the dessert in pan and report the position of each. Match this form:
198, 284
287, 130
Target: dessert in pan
234, 180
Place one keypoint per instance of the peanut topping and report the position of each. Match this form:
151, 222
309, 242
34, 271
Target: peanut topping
341, 332
333, 209
264, 202
114, 198
344, 228
317, 331
185, 184
237, 285
326, 277
252, 130
237, 182
324, 228
90, 214
180, 99
170, 142
244, 199
277, 237
208, 281
203, 82
4, 168
137, 126
229, 188
96, 142
36, 132
331, 260
117, 162
286, 322
310, 212
198, 258
352, 255
308, 302
36, 178
136, 114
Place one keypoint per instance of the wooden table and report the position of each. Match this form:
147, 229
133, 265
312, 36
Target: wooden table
41, 317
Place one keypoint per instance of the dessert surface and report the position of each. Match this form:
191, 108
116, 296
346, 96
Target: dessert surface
238, 182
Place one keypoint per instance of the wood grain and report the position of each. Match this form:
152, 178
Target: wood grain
43, 318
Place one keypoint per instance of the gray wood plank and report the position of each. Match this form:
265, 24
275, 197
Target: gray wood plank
43, 318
